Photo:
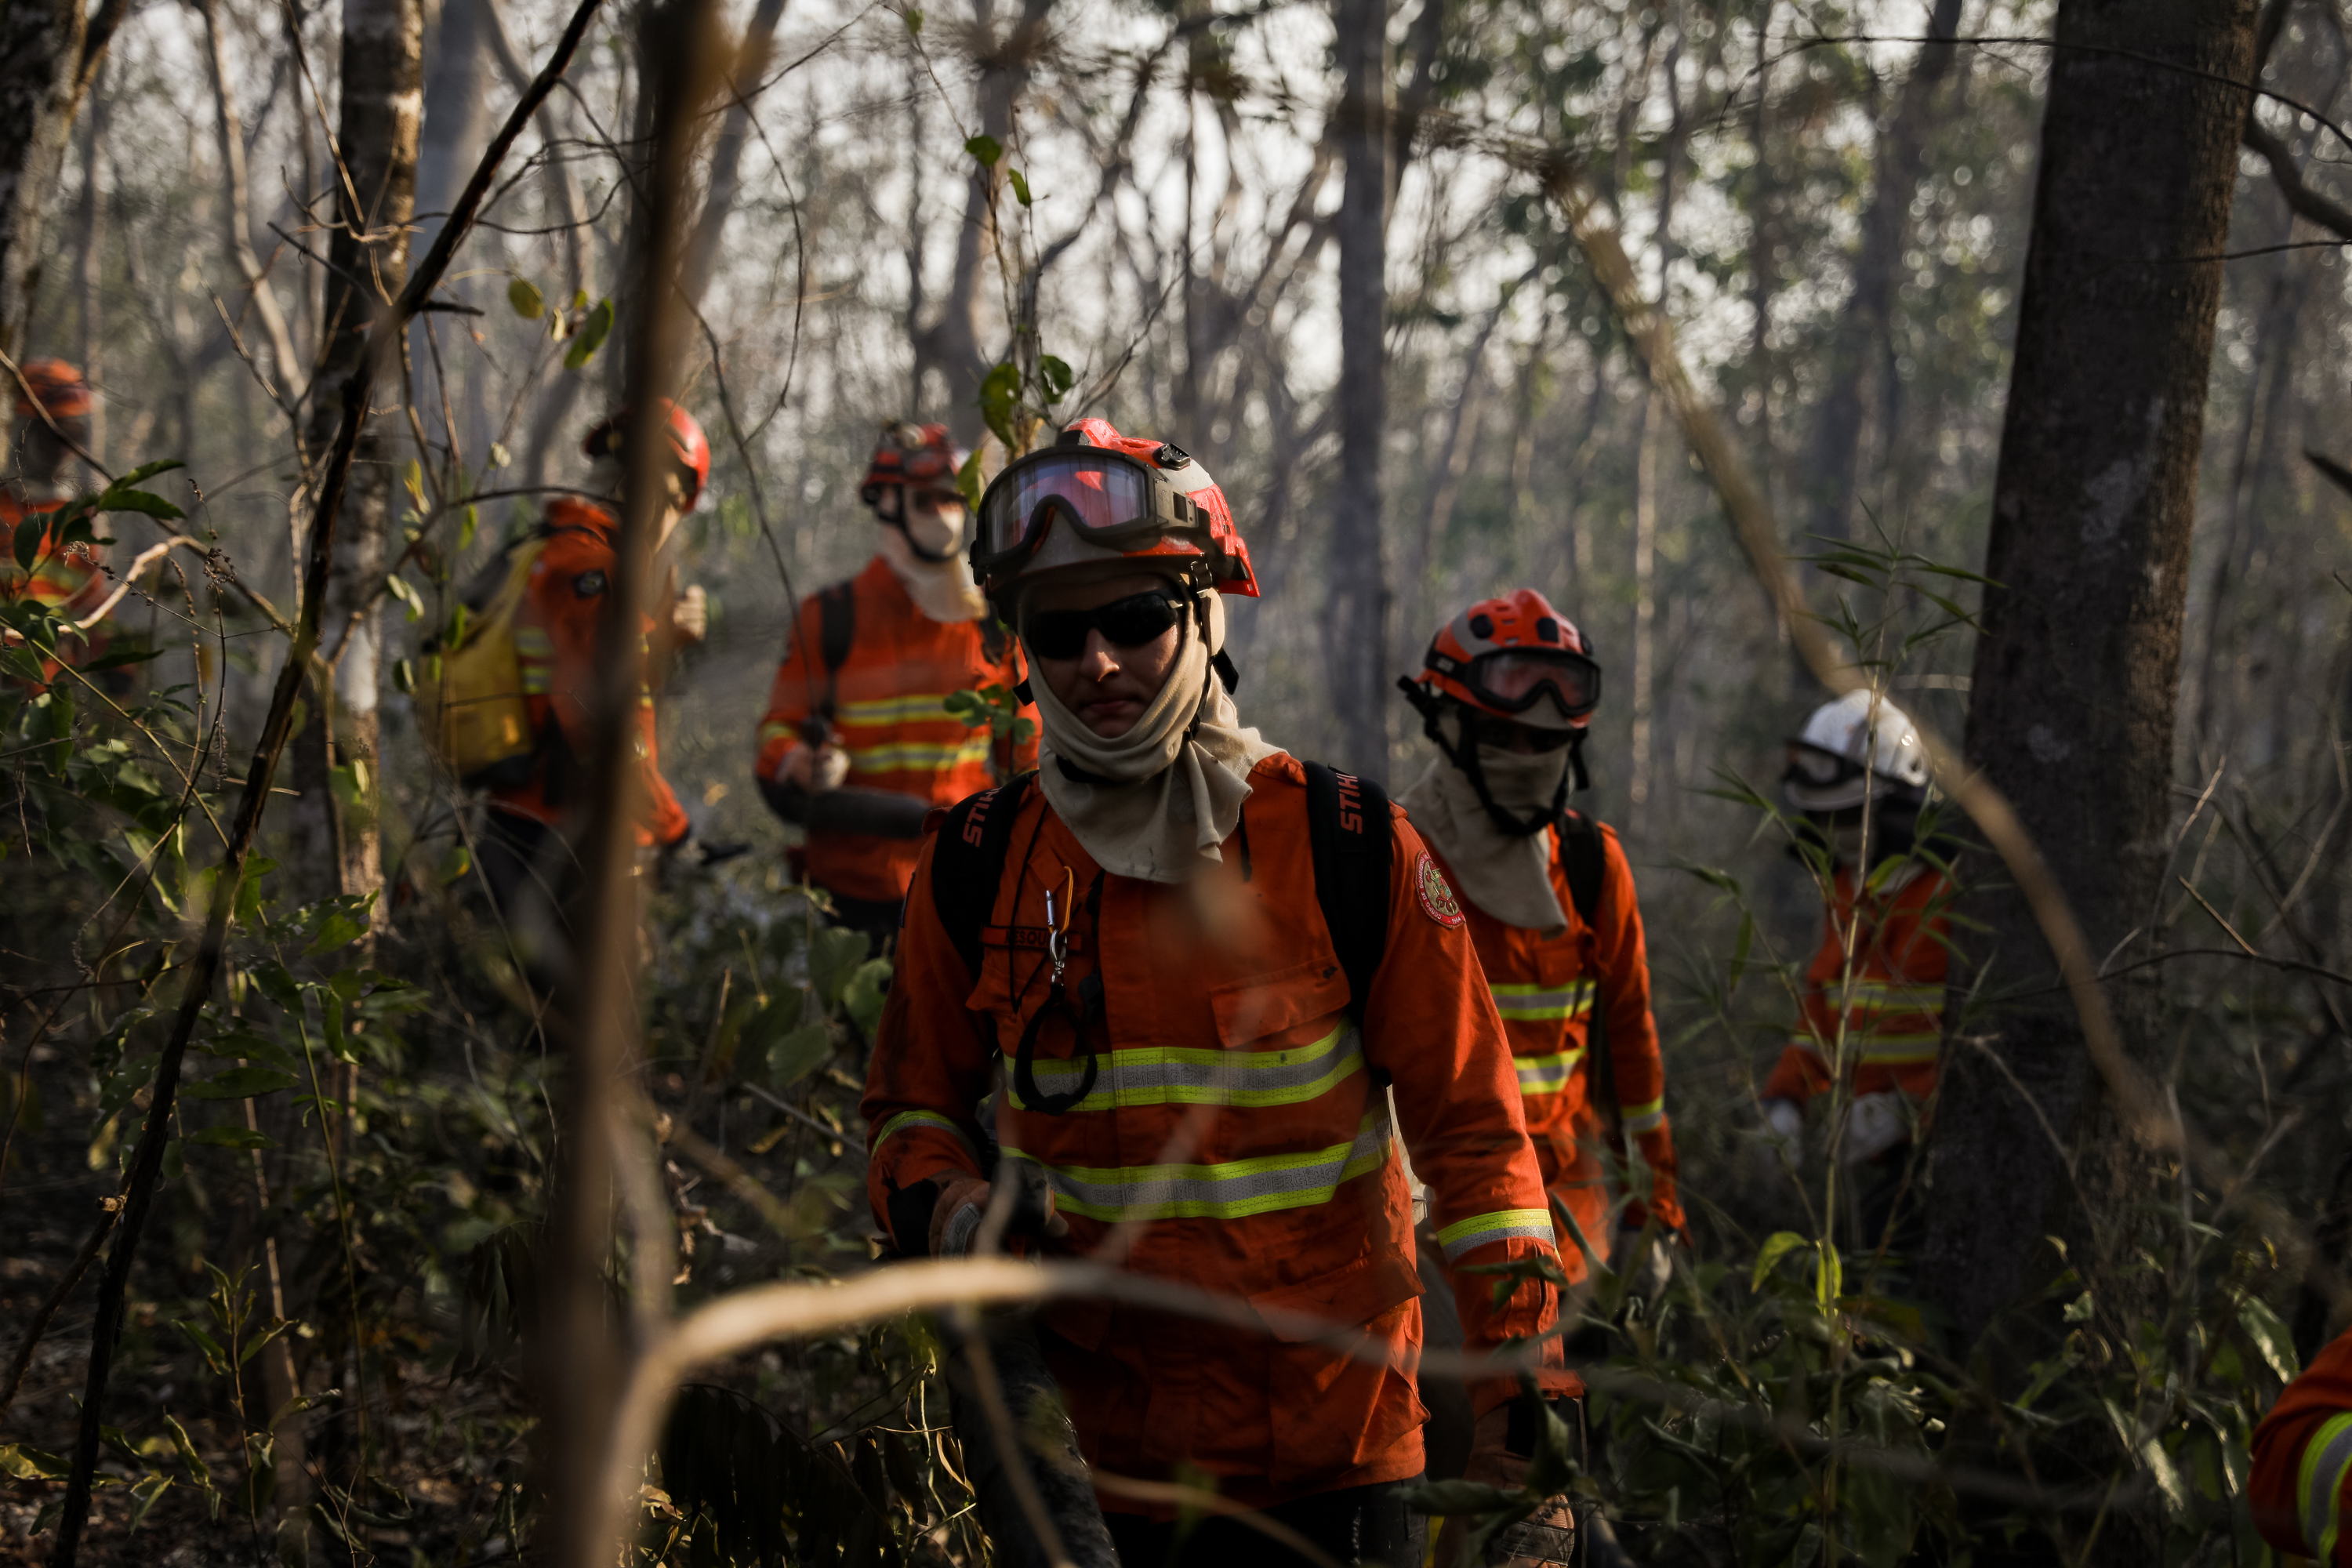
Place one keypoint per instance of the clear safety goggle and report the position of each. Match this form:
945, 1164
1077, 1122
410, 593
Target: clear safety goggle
1106, 498
1513, 680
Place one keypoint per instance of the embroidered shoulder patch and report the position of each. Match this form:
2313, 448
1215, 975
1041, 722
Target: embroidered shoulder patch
1436, 898
588, 585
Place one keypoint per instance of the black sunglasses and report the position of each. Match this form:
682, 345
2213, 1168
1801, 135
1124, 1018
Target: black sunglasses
1131, 622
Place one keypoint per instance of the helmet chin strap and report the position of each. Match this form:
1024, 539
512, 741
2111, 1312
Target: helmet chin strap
1464, 756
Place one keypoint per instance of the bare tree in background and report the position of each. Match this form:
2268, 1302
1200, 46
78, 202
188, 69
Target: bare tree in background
1357, 625
2076, 683
49, 51
371, 203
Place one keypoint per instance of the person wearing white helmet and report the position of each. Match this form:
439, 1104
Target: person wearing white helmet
1872, 1009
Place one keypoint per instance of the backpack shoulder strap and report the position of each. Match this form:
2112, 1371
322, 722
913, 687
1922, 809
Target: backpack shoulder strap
968, 863
1583, 858
836, 609
1348, 831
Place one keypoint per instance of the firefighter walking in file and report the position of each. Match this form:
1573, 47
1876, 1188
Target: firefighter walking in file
859, 744
52, 407
1873, 1001
566, 568
1507, 693
1193, 966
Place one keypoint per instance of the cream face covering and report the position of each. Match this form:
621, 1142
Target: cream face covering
942, 590
1506, 875
1173, 784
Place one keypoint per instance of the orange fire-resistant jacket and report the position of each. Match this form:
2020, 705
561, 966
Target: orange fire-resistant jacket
1545, 989
1238, 1139
890, 715
67, 581
2303, 1461
564, 610
1891, 999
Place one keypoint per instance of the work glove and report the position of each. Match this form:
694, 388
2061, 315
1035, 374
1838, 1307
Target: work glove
1874, 1124
689, 614
1652, 1265
815, 769
964, 1203
1545, 1536
699, 852
1780, 1143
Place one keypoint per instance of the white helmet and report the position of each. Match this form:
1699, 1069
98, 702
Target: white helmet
1842, 757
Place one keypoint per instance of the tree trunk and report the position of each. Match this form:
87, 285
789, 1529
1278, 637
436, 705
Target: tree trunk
727, 153
336, 848
1864, 326
2074, 687
48, 52
1358, 648
447, 143
91, 282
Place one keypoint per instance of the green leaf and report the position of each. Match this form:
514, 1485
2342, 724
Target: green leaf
914, 22
798, 1052
147, 1492
117, 658
336, 929
140, 502
1780, 1246
1020, 185
1739, 946
28, 540
237, 1083
985, 148
214, 1355
401, 588
411, 478
231, 1137
471, 523
863, 997
594, 329
27, 1463
527, 301
146, 471
1055, 378
2271, 1338
999, 401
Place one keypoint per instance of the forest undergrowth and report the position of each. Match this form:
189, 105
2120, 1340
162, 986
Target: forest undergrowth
328, 1353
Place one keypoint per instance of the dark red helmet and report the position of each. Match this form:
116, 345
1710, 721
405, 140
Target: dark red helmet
1516, 657
920, 457
60, 388
686, 439
1115, 496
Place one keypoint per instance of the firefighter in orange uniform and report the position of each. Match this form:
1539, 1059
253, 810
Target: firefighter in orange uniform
69, 579
1506, 692
1874, 997
527, 852
858, 745
2302, 1462
1193, 965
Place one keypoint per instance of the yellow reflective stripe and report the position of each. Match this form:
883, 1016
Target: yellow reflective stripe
1895, 1049
775, 728
895, 709
1174, 1075
1231, 1189
533, 642
1643, 1116
2319, 1484
1546, 1075
1504, 1224
912, 756
905, 1119
1527, 1002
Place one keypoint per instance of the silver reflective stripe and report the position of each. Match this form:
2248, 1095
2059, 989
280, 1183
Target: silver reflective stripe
1174, 1075
1233, 1189
2319, 1484
1463, 1235
1546, 1075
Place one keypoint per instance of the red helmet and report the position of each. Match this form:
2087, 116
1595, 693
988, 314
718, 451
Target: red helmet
1115, 495
686, 439
1516, 657
59, 387
920, 457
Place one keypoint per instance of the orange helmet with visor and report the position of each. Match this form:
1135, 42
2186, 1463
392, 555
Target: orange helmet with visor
1113, 497
1516, 658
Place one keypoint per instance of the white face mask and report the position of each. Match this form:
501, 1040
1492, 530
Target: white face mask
937, 530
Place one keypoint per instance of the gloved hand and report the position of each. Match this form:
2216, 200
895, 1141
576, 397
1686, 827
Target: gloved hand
815, 769
1653, 1266
1874, 1124
1780, 1143
1545, 1536
962, 1207
690, 613
699, 852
